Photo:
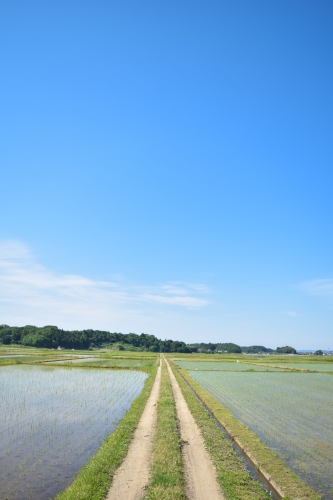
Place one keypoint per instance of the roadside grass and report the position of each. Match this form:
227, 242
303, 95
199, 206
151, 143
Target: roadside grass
167, 479
94, 479
235, 480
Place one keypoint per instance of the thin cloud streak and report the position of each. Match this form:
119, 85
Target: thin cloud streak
31, 291
321, 287
185, 301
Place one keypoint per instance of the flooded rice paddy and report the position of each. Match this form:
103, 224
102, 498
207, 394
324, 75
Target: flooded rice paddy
52, 420
69, 360
291, 412
223, 366
109, 363
319, 367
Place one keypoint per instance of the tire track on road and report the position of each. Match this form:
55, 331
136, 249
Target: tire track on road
200, 473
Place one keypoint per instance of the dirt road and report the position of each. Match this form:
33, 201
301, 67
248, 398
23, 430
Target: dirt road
200, 474
133, 475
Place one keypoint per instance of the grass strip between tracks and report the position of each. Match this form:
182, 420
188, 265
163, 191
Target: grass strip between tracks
235, 480
167, 479
94, 479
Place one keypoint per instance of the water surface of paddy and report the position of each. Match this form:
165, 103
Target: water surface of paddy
109, 362
52, 420
223, 366
319, 367
291, 412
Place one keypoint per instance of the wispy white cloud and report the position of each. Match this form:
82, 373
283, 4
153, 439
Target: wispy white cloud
185, 301
321, 287
292, 314
31, 293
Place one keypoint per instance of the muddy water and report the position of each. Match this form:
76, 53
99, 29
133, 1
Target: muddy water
52, 420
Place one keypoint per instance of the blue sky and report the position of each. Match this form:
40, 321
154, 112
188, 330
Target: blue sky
167, 168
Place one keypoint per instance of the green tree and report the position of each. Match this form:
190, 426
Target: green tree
286, 350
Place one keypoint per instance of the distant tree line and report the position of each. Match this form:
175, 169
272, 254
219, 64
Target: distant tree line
285, 350
228, 347
257, 349
231, 348
53, 337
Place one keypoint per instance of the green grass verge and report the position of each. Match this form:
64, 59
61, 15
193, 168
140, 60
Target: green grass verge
167, 480
95, 478
292, 486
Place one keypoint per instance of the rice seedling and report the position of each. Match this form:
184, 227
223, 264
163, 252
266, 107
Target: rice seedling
52, 420
109, 363
222, 366
314, 366
290, 412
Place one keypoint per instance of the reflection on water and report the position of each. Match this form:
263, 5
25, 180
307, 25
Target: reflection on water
52, 420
